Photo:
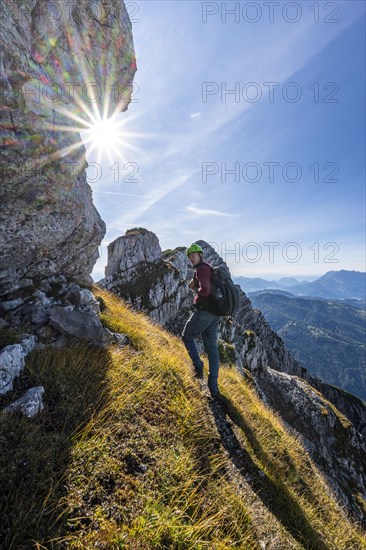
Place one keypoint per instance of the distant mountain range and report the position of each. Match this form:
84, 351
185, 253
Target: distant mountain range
335, 285
326, 336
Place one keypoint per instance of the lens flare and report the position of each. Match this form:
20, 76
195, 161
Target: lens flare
104, 135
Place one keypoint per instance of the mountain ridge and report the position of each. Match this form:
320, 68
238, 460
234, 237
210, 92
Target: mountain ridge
327, 336
342, 284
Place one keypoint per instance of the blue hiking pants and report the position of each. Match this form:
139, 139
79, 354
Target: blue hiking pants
205, 323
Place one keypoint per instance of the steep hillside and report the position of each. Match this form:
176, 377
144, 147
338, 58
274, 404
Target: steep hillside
155, 282
130, 452
326, 336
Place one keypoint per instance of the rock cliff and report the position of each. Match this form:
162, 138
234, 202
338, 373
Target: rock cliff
57, 70
150, 280
62, 65
155, 282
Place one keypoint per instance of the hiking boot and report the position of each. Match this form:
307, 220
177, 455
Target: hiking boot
198, 373
198, 370
215, 394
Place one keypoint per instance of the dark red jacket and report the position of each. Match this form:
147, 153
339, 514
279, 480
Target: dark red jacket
203, 277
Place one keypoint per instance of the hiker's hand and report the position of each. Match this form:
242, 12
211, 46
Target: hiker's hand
192, 284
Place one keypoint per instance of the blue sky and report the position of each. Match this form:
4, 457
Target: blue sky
309, 218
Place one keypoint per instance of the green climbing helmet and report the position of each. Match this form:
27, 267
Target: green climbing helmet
194, 248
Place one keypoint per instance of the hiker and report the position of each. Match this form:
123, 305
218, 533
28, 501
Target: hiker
202, 321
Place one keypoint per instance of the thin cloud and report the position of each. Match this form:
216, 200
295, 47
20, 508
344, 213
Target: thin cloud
124, 194
204, 212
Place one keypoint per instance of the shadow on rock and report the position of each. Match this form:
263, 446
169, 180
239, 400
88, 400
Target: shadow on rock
272, 492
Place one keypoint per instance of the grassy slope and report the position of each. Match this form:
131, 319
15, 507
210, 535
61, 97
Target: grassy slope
129, 453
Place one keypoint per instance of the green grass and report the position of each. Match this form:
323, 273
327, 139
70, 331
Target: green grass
128, 453
9, 336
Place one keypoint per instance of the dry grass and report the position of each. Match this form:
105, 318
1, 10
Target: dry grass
127, 455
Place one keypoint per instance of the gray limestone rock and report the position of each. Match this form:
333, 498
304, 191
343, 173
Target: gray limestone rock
84, 326
83, 299
12, 362
139, 273
121, 339
48, 223
178, 258
331, 439
3, 323
40, 308
136, 246
11, 304
29, 404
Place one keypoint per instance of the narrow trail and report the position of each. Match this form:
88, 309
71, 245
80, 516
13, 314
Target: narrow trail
251, 482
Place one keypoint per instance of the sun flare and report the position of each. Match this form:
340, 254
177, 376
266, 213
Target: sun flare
104, 135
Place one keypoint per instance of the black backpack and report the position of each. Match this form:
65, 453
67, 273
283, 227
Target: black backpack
225, 295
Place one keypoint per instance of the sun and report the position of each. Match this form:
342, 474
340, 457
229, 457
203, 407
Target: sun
104, 135
100, 137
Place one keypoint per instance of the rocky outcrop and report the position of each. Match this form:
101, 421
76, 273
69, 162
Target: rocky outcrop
156, 282
29, 404
350, 405
12, 361
330, 438
149, 280
57, 69
138, 245
85, 326
56, 311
